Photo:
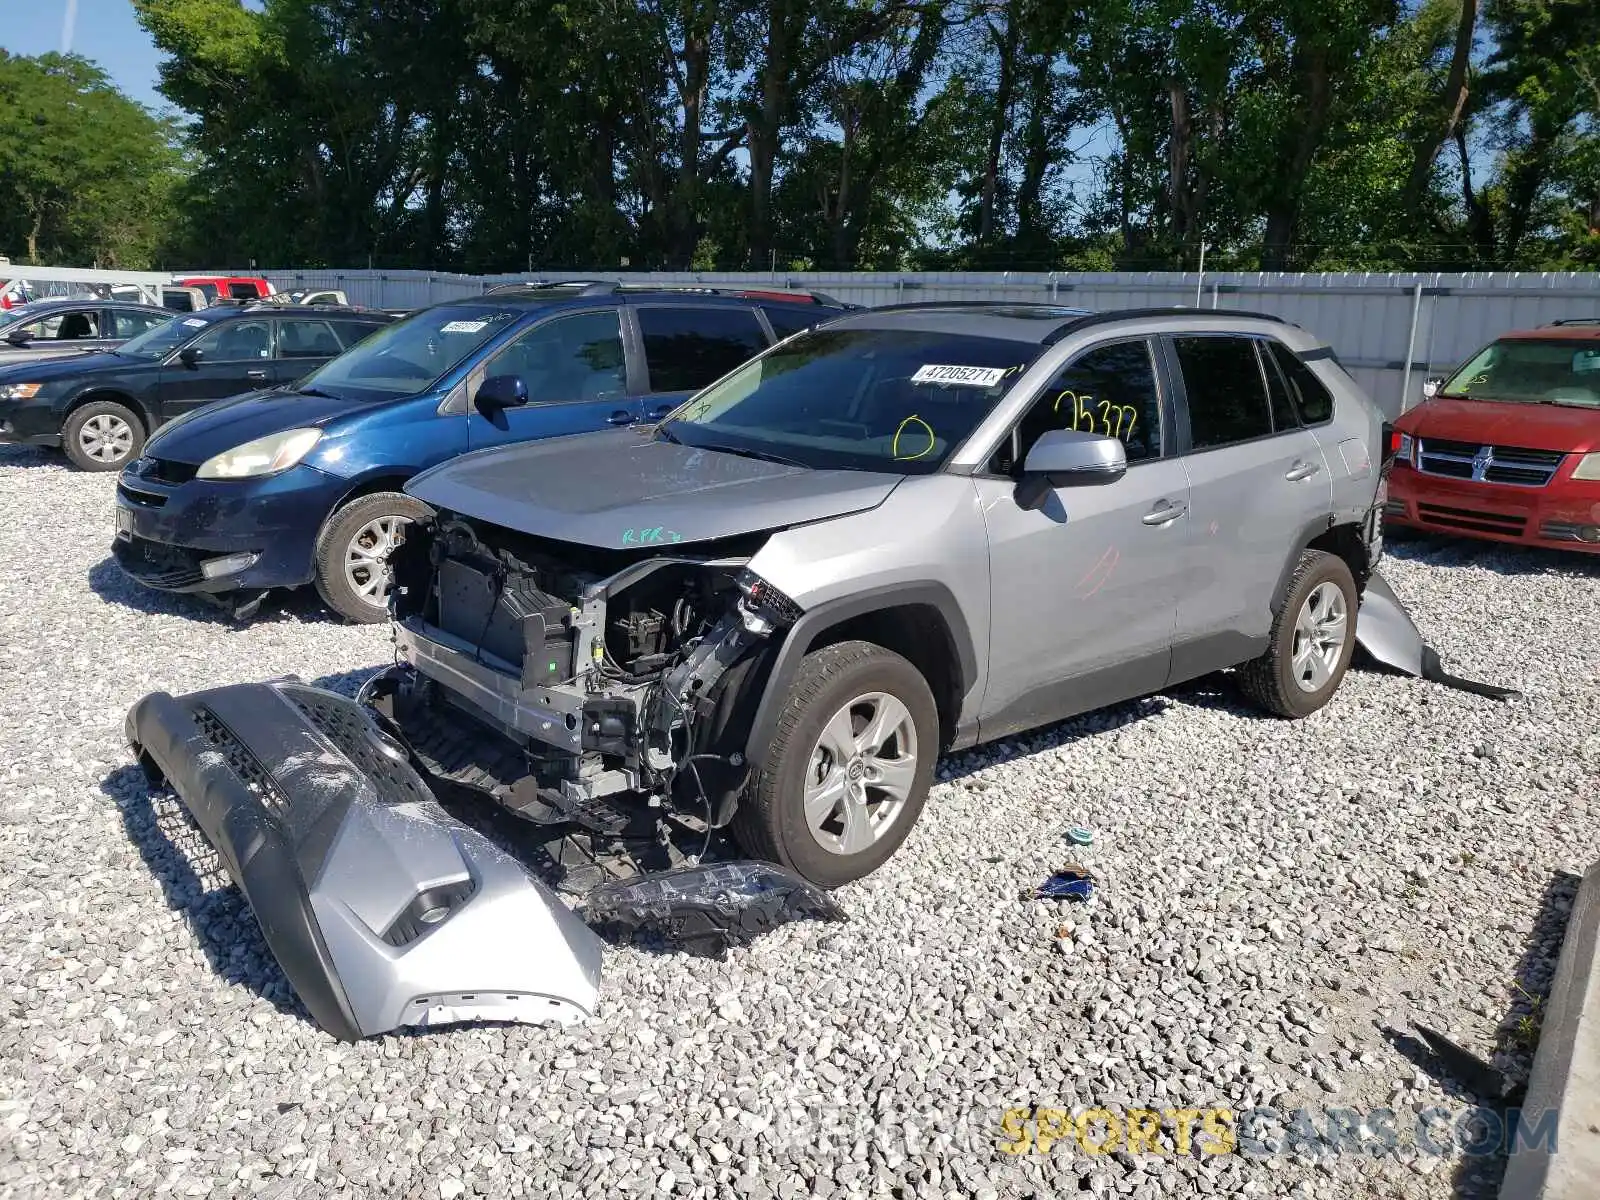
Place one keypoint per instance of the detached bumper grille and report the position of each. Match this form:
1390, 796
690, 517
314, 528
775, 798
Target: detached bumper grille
1515, 466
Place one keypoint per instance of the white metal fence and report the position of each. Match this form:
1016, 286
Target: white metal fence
1392, 330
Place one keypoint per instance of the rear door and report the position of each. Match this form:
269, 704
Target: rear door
236, 357
1258, 486
575, 371
304, 344
688, 346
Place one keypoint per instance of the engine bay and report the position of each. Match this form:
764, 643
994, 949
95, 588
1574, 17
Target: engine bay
574, 685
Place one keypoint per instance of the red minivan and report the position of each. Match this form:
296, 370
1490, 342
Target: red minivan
1508, 448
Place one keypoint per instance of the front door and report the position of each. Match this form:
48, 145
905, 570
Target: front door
235, 357
576, 376
1085, 587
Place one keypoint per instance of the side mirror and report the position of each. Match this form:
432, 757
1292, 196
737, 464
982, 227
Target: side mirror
191, 357
1068, 458
1431, 388
499, 392
18, 337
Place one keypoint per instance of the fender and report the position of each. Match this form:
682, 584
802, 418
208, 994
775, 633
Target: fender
788, 655
1308, 533
101, 391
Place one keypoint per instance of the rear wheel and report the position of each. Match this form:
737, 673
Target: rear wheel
353, 550
849, 766
1312, 640
102, 436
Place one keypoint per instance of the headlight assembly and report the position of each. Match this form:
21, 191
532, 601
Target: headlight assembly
1588, 467
19, 391
264, 456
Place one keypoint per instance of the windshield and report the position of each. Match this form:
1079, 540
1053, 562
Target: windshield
410, 356
895, 400
163, 339
1531, 371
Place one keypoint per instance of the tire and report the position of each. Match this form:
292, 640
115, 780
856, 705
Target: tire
1277, 681
102, 436
858, 680
352, 533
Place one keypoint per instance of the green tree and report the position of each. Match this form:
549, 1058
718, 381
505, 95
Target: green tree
86, 174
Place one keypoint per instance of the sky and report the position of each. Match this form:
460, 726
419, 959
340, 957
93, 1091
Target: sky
103, 30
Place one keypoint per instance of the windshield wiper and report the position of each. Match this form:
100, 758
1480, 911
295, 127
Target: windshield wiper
763, 455
314, 391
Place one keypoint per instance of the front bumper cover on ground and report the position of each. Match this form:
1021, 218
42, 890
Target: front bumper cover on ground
382, 910
1386, 632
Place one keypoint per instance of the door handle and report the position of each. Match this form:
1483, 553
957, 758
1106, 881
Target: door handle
1164, 513
621, 417
257, 374
1302, 470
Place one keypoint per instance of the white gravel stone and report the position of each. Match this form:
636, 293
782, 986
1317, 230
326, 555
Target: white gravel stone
1269, 895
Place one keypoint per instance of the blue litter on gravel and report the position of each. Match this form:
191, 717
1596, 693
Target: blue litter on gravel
1079, 836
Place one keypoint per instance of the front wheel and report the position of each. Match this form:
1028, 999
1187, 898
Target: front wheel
849, 766
1312, 640
102, 436
352, 567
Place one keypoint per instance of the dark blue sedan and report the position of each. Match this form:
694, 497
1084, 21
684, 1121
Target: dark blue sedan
303, 484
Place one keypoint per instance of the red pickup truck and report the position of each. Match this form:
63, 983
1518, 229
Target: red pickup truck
229, 287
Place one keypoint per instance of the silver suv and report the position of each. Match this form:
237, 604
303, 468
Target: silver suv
909, 530
904, 531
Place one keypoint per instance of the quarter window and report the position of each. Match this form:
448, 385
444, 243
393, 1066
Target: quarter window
1109, 390
688, 348
1226, 393
1312, 399
567, 359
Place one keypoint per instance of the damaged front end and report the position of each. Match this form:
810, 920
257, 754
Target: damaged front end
595, 694
579, 687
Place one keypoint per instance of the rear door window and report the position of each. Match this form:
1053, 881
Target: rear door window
353, 331
244, 291
1284, 415
307, 339
687, 348
1227, 396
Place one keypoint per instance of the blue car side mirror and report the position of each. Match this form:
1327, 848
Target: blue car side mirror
501, 391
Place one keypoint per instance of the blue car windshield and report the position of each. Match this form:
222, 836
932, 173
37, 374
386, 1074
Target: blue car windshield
410, 356
896, 400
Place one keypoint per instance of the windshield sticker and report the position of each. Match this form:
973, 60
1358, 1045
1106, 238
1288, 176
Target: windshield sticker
194, 322
463, 326
983, 377
913, 440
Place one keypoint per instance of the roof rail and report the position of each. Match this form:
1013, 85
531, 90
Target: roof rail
1572, 321
1118, 314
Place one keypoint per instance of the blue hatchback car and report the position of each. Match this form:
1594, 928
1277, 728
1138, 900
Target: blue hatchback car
303, 483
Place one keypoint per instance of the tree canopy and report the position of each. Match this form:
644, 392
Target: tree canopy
86, 175
501, 135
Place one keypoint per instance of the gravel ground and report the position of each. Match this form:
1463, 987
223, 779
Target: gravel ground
1271, 895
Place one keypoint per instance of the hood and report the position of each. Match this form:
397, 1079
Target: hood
1562, 427
620, 489
47, 369
204, 432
